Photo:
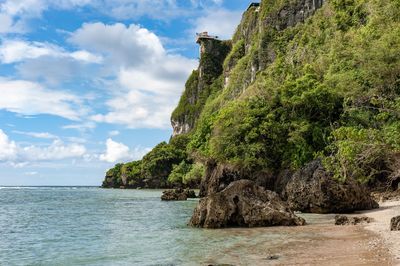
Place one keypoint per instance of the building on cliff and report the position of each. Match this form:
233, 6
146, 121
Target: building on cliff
254, 4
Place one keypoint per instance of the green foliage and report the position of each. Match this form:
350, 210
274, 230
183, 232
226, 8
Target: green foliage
186, 173
195, 174
238, 51
158, 162
349, 13
338, 71
178, 172
358, 153
328, 87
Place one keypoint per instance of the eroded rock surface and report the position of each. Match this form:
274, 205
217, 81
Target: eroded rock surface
312, 189
244, 204
395, 224
346, 220
178, 194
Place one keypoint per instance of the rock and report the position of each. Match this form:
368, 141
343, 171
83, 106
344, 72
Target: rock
178, 194
272, 257
312, 189
345, 220
217, 178
244, 204
395, 224
190, 193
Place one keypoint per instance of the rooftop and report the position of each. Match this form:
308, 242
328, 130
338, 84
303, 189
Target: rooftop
205, 35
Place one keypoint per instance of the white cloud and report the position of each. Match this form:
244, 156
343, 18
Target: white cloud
29, 98
220, 22
114, 133
13, 51
31, 173
5, 23
115, 151
55, 151
8, 149
81, 127
126, 46
149, 79
40, 135
19, 156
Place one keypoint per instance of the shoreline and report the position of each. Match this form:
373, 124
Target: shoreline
321, 242
381, 226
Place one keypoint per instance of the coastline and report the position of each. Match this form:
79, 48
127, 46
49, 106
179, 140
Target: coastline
381, 226
320, 242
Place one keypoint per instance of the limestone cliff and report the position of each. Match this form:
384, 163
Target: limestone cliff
199, 85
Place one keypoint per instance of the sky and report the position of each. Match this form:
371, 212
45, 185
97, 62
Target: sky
86, 84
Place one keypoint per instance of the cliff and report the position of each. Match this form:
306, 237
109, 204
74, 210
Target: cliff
300, 80
198, 87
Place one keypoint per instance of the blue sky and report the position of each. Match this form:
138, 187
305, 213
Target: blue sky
85, 84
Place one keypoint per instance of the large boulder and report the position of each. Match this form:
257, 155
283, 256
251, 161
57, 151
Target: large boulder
312, 189
244, 204
395, 223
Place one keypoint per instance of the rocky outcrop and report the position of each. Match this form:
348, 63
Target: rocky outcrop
197, 89
293, 13
346, 220
395, 224
178, 194
244, 204
312, 189
218, 176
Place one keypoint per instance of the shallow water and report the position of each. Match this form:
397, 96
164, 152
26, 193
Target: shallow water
92, 226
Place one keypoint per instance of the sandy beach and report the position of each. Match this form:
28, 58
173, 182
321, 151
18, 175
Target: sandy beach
320, 242
381, 226
365, 244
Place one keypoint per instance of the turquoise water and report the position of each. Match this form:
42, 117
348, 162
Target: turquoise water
93, 226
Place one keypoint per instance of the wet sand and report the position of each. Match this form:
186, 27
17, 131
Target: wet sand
318, 243
381, 226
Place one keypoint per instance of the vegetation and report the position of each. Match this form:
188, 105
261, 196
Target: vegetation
327, 88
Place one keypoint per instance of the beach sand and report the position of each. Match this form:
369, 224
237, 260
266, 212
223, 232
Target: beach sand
381, 226
366, 244
320, 242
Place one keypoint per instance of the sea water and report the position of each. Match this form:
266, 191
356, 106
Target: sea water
94, 226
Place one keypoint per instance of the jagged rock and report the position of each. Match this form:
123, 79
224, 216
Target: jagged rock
245, 204
190, 194
345, 220
178, 194
217, 178
293, 13
312, 189
395, 224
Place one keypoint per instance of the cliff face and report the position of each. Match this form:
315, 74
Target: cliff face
250, 41
198, 87
300, 80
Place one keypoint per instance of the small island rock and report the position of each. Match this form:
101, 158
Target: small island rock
178, 194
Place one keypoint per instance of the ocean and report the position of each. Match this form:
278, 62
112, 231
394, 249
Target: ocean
94, 226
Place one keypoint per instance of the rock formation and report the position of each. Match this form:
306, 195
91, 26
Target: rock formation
178, 194
395, 223
197, 88
345, 220
244, 204
312, 189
